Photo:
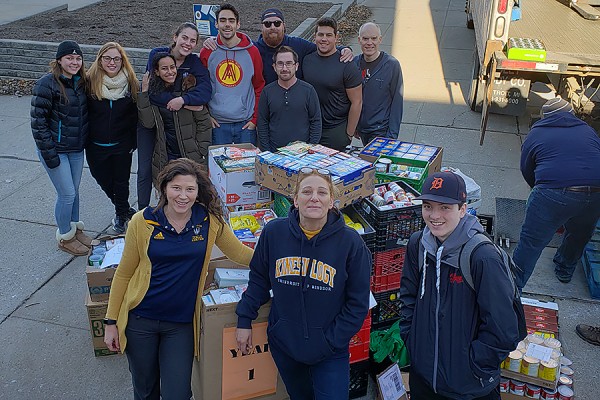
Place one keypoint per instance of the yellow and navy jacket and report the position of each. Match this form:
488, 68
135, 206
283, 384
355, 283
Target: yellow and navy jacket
320, 287
132, 278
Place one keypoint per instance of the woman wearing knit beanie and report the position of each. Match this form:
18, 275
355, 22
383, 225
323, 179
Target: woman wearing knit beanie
59, 123
112, 93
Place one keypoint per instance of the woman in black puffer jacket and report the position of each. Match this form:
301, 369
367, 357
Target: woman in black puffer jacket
59, 123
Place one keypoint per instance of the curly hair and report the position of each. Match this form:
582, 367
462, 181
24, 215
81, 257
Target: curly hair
156, 84
207, 195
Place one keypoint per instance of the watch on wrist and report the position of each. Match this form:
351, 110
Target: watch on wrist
108, 321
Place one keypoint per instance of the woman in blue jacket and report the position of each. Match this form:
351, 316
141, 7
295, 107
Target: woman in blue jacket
185, 40
59, 123
112, 93
318, 270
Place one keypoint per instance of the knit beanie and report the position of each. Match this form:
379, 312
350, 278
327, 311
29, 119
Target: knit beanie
68, 47
555, 106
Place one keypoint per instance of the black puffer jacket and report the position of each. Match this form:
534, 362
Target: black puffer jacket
113, 122
58, 126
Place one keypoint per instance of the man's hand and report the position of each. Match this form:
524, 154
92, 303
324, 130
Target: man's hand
249, 125
145, 81
175, 104
210, 44
194, 108
244, 340
346, 55
214, 123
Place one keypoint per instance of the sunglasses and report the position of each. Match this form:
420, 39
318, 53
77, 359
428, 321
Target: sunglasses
320, 171
268, 24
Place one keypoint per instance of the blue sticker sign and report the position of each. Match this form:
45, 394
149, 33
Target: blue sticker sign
205, 17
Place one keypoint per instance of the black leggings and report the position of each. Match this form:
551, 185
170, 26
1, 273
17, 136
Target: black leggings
160, 356
111, 170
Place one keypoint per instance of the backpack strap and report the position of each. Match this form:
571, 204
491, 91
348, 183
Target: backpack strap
464, 258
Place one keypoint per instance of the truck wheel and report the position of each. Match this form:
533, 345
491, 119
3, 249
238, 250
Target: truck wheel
476, 90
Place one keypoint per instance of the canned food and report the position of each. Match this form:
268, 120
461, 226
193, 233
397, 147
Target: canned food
389, 197
552, 343
380, 190
517, 387
385, 161
534, 338
377, 200
522, 346
513, 361
504, 385
565, 380
565, 393
530, 366
532, 391
568, 371
380, 167
565, 361
555, 354
548, 370
548, 394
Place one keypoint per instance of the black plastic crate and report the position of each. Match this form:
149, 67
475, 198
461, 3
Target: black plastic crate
387, 310
369, 235
393, 227
359, 379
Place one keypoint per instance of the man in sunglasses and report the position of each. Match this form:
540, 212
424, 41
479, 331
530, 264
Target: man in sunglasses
288, 109
273, 36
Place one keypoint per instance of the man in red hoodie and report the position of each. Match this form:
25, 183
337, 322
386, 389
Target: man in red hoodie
235, 69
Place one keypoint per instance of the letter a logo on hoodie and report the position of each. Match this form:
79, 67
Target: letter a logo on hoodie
229, 73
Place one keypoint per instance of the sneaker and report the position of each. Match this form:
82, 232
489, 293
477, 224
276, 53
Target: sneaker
119, 224
562, 278
73, 247
130, 212
590, 334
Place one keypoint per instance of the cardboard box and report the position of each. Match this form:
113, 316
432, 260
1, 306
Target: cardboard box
99, 281
96, 313
284, 183
254, 374
235, 188
434, 166
510, 396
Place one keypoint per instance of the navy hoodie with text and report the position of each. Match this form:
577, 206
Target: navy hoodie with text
320, 287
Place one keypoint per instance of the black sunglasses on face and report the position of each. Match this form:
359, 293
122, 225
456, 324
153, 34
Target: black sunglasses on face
268, 24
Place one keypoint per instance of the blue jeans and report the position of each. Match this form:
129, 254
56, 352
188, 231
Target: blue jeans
326, 380
548, 210
66, 178
229, 133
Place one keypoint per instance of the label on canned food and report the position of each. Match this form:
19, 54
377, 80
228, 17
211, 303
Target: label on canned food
548, 394
532, 391
548, 370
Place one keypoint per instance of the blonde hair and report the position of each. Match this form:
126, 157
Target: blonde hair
96, 73
57, 72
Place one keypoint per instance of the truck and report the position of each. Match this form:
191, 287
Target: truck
568, 32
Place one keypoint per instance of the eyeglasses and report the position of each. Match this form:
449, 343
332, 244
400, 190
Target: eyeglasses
268, 24
108, 59
281, 64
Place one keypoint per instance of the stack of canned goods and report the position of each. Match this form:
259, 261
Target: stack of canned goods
390, 196
556, 369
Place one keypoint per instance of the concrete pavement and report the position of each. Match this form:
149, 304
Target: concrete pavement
14, 10
44, 336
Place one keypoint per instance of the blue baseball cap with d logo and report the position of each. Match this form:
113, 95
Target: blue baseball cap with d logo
444, 187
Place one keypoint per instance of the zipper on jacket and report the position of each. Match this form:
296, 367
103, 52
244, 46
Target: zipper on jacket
110, 104
178, 134
59, 130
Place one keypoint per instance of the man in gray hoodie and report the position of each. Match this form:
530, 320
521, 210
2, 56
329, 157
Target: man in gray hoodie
456, 335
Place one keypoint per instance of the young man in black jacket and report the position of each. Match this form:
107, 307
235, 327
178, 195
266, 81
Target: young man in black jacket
456, 336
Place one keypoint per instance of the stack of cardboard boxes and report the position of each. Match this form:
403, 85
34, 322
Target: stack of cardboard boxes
99, 273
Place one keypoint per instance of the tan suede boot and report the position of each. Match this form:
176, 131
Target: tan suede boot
69, 243
82, 237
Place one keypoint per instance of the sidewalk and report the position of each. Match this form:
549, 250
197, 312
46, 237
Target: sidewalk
14, 10
44, 333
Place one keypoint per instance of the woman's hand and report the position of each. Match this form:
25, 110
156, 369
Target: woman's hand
210, 44
244, 340
194, 108
214, 123
175, 104
145, 81
111, 337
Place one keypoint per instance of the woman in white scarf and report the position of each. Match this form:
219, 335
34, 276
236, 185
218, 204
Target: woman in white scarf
112, 94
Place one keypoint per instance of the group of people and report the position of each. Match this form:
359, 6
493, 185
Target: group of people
457, 334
